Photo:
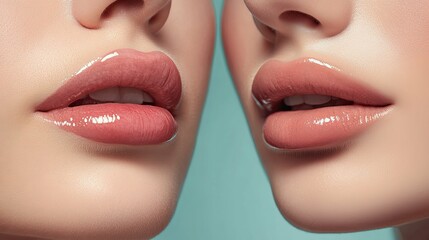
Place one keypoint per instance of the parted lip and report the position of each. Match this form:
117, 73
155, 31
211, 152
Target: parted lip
277, 80
321, 126
154, 73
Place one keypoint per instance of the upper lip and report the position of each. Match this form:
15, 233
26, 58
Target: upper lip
277, 80
154, 73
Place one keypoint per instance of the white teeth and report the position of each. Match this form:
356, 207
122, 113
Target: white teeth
106, 95
294, 100
316, 99
122, 95
307, 99
131, 95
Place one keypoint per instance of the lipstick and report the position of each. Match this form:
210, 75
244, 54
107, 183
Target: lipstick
310, 104
125, 97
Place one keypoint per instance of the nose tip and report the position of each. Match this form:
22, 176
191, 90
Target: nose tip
289, 17
92, 14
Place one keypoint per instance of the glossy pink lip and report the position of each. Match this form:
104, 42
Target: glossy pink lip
306, 129
132, 124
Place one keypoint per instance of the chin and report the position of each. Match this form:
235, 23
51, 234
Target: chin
335, 196
96, 197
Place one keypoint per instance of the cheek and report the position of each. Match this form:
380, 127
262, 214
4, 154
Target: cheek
21, 29
406, 28
21, 70
405, 25
245, 48
189, 37
26, 57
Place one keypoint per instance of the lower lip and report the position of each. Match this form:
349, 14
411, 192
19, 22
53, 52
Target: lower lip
113, 123
307, 129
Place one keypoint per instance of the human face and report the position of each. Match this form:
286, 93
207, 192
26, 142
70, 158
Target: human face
359, 165
108, 179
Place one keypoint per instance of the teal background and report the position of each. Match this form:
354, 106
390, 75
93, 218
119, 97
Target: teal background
226, 194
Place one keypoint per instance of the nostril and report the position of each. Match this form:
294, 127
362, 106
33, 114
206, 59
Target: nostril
153, 20
266, 31
157, 21
107, 12
123, 5
299, 18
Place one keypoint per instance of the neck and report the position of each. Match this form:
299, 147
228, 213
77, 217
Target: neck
415, 231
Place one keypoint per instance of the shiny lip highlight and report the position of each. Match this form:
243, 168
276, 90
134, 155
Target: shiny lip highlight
119, 123
314, 128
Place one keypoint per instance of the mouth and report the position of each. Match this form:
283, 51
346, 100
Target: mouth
310, 104
126, 97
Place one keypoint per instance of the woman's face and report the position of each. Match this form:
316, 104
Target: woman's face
342, 124
115, 170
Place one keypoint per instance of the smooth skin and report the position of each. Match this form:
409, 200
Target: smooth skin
55, 185
380, 178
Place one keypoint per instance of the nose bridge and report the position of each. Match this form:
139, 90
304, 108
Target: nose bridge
91, 14
329, 17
